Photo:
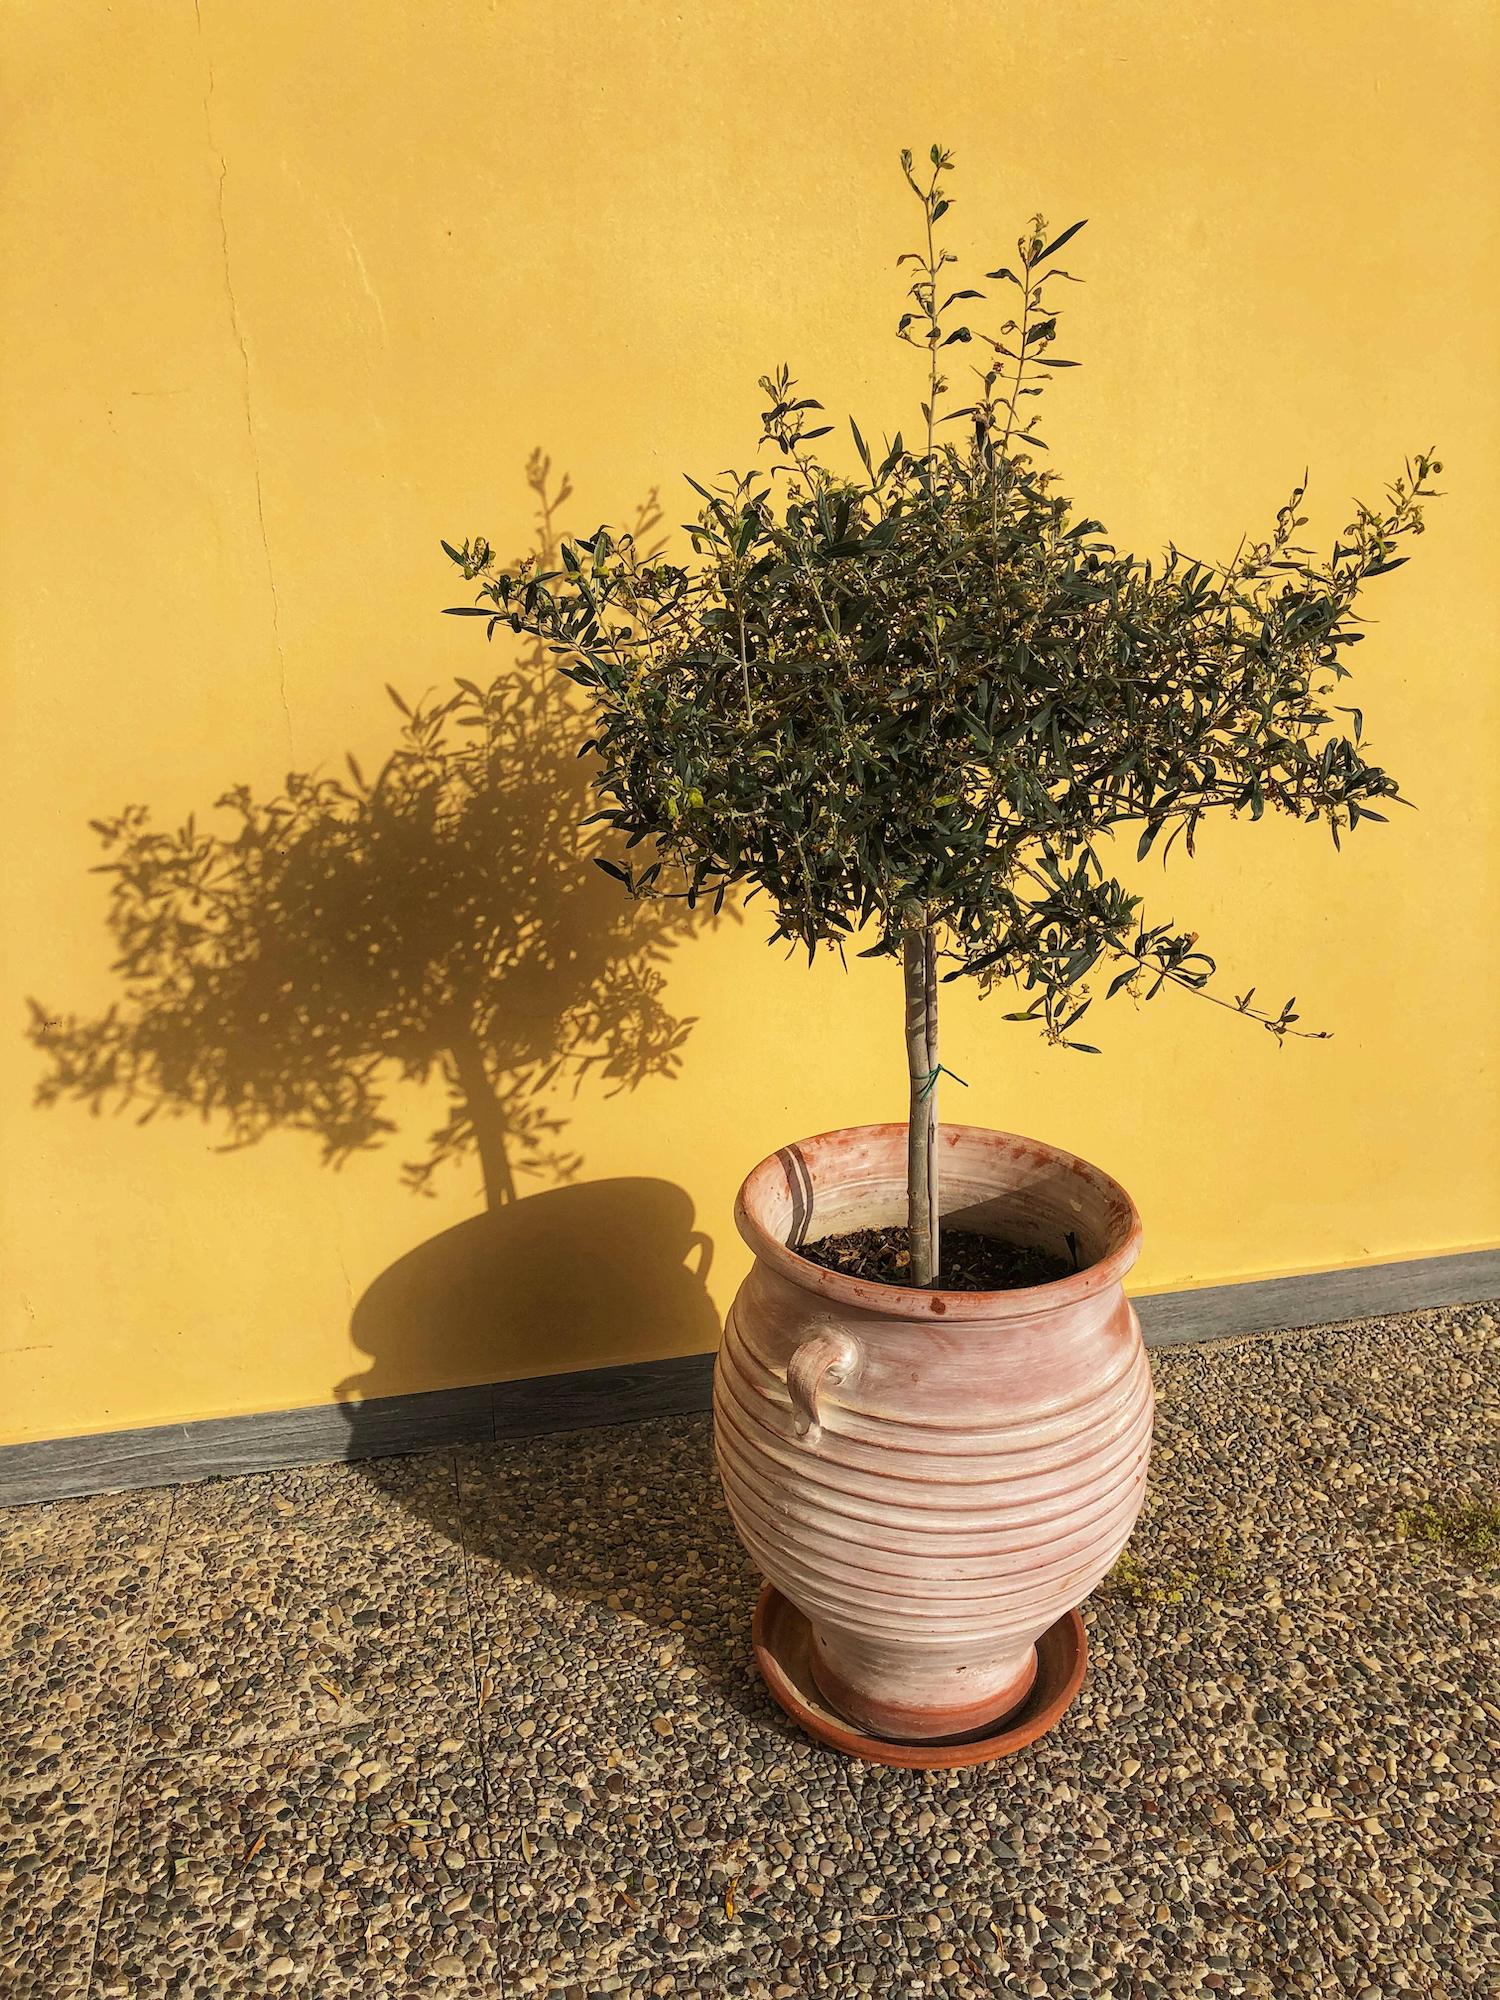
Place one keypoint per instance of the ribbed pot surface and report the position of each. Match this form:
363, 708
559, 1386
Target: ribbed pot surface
932, 1477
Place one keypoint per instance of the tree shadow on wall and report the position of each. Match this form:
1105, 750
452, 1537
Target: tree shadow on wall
440, 920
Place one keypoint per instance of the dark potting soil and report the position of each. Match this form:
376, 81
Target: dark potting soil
968, 1262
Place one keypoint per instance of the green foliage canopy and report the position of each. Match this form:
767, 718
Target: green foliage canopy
932, 695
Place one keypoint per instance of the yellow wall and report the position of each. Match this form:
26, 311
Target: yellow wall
290, 290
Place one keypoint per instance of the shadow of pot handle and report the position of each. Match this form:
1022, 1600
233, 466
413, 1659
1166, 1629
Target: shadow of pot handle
704, 1245
825, 1356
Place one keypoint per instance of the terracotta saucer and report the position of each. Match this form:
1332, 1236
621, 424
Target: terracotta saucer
783, 1646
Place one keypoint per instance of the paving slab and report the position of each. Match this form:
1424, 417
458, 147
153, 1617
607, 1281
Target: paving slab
68, 1532
72, 1644
55, 1819
311, 1601
354, 1864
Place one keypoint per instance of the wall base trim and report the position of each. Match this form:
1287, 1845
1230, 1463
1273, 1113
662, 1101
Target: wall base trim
168, 1454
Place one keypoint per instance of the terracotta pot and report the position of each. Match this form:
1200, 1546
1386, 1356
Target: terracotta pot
932, 1477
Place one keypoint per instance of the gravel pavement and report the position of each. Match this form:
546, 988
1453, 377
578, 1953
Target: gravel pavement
485, 1723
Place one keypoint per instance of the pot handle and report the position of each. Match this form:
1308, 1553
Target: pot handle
826, 1355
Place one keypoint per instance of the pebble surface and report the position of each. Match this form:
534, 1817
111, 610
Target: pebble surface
485, 1722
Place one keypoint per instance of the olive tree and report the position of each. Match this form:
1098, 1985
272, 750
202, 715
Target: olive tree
917, 704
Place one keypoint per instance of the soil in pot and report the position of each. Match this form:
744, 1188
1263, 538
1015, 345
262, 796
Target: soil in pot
970, 1262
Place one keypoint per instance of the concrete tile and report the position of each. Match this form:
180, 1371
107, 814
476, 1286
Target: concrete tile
72, 1642
67, 1532
55, 1818
393, 1498
278, 1634
356, 1865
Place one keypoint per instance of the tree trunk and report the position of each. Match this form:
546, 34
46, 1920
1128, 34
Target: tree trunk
486, 1123
919, 972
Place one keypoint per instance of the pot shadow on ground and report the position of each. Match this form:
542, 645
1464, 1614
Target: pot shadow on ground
623, 1520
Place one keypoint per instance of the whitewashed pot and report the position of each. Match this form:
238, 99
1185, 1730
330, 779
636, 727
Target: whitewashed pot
933, 1478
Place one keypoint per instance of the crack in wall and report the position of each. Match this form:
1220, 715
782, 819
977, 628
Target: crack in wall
344, 1267
364, 276
247, 381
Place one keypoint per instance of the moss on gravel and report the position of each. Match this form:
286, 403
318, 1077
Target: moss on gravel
1462, 1527
1135, 1581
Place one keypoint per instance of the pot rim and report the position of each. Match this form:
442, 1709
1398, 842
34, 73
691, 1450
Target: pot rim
902, 1302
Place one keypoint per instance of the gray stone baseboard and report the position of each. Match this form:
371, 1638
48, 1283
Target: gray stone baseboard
166, 1455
